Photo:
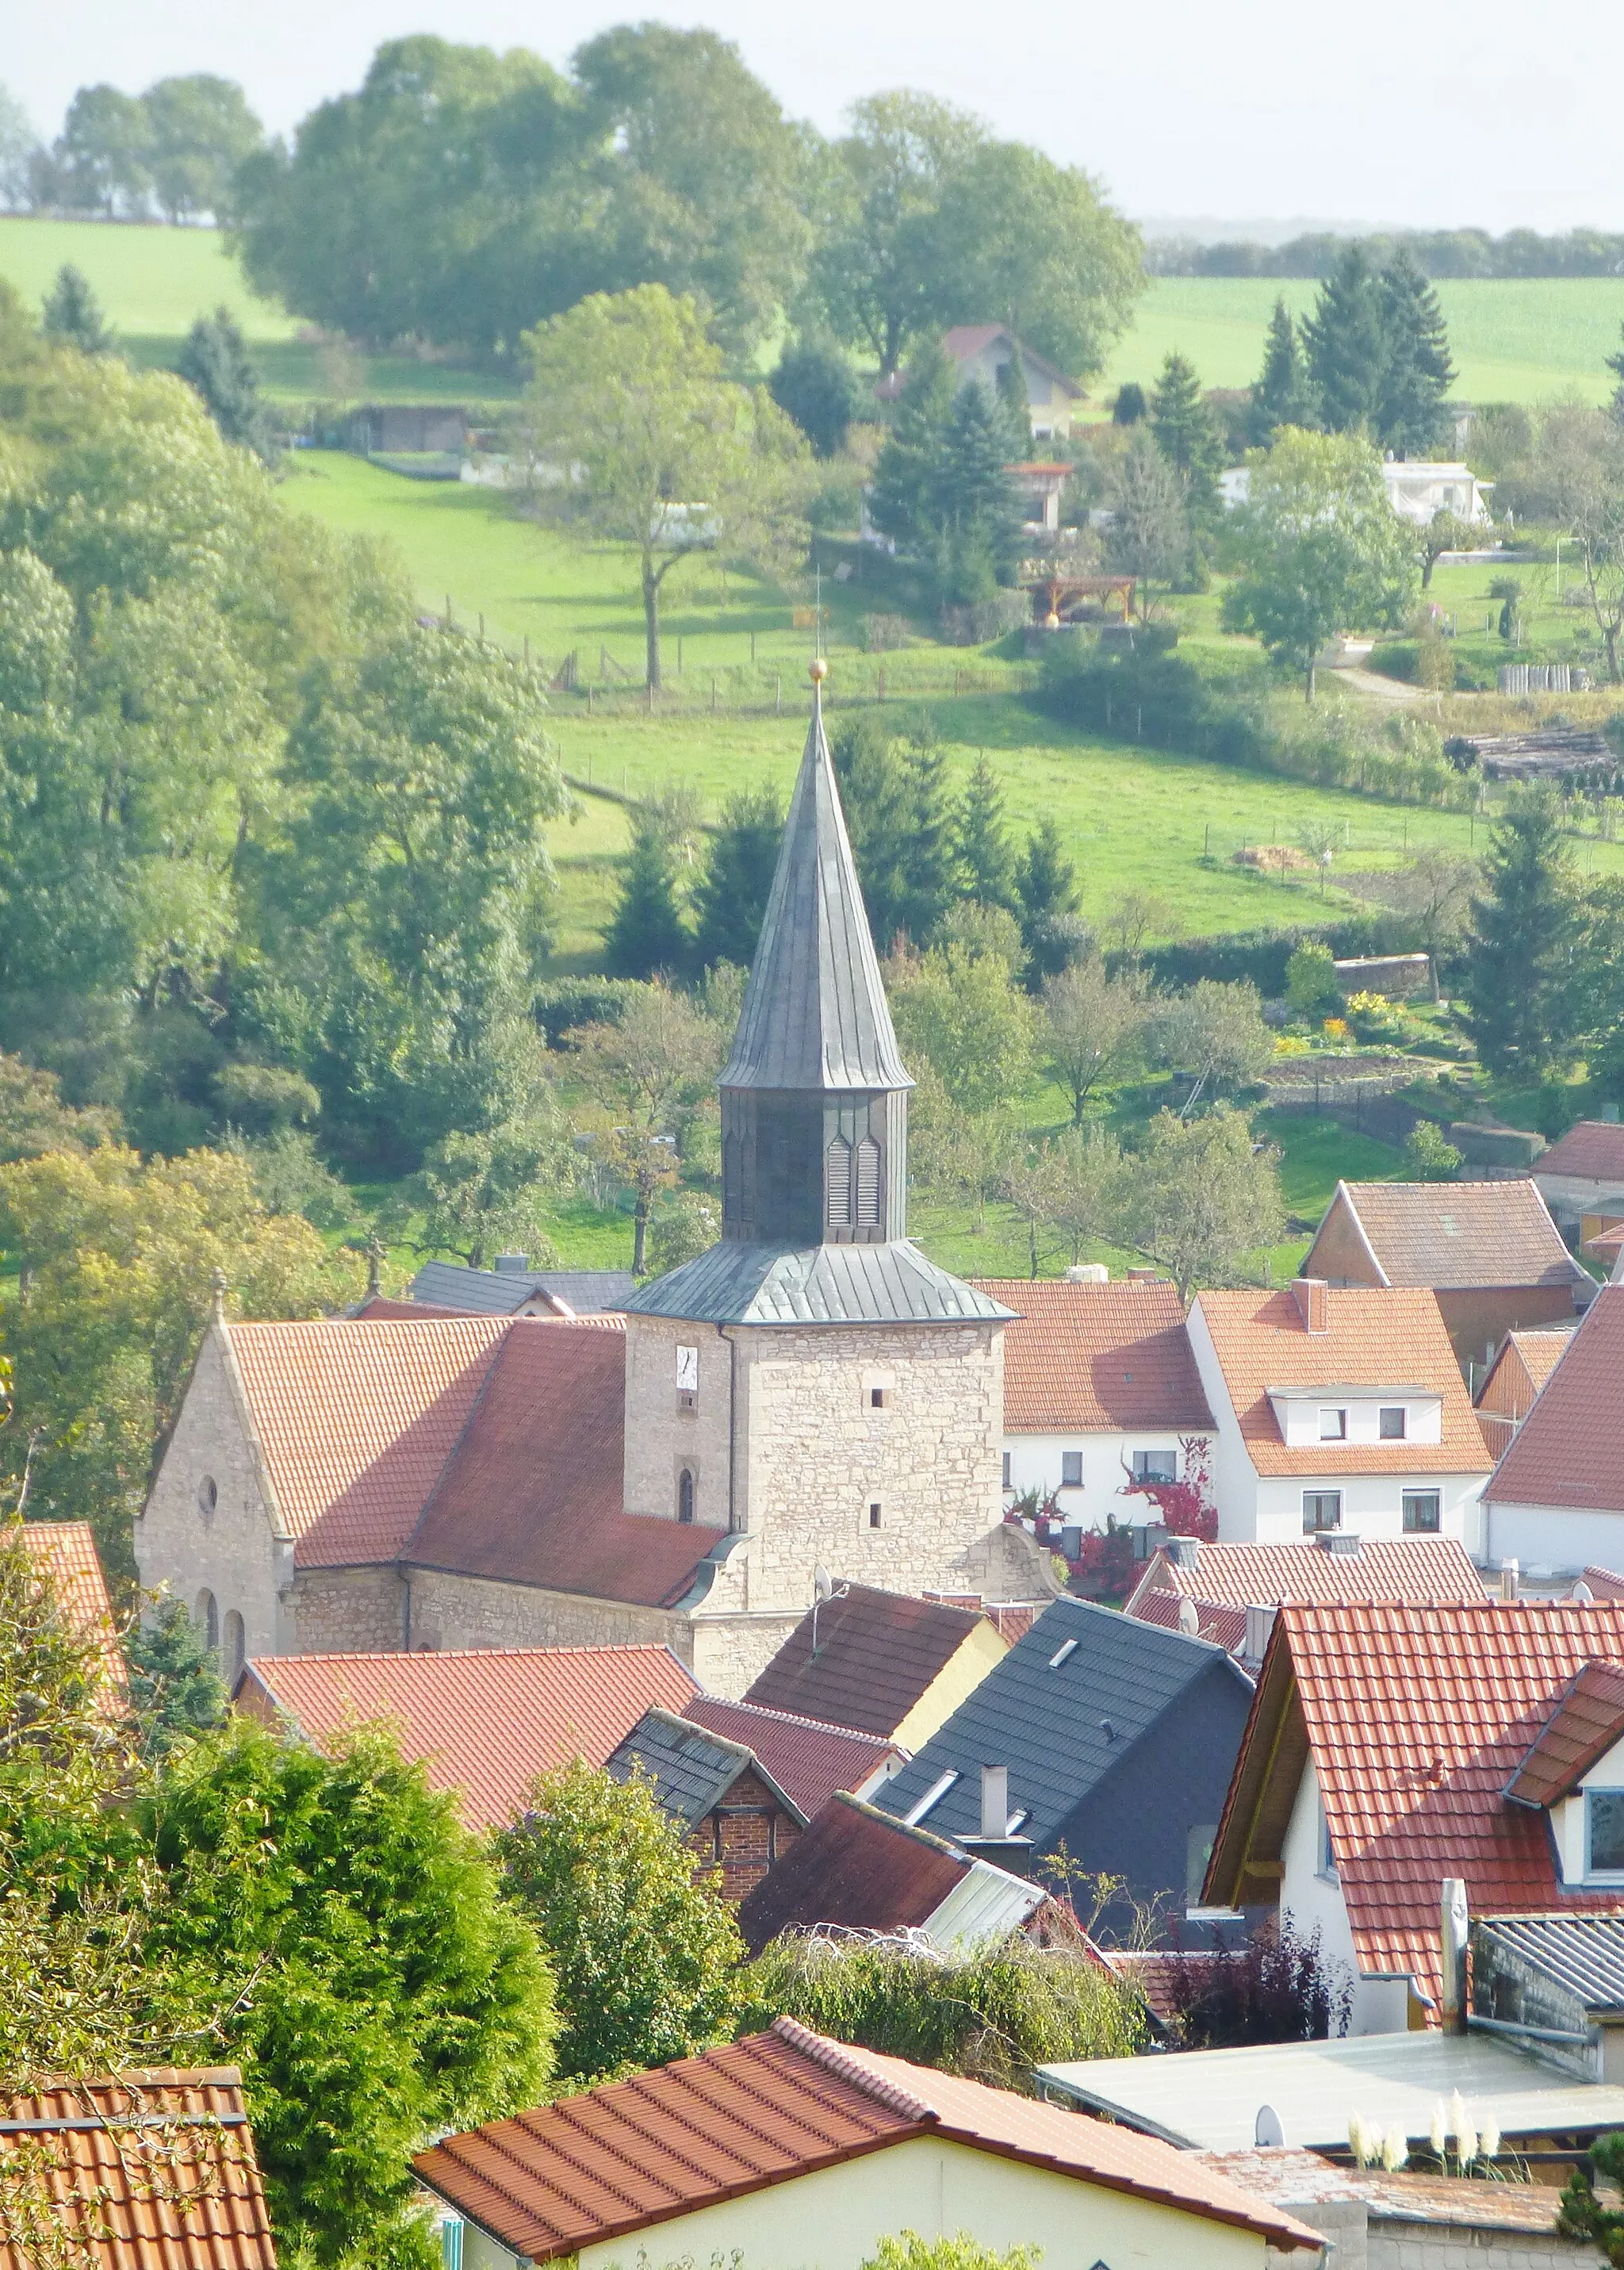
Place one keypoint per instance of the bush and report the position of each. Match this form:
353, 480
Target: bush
1277, 1987
568, 1003
1311, 978
1429, 1154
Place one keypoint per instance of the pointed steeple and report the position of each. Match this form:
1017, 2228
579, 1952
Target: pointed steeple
814, 1015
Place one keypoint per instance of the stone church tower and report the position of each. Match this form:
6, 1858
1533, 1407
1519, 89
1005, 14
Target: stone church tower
812, 1383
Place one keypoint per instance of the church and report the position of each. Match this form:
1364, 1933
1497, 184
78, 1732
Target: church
809, 1394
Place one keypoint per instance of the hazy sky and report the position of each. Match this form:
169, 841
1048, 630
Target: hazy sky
1450, 114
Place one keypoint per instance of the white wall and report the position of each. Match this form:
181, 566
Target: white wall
1556, 1539
1298, 1417
1569, 1196
1372, 1504
1034, 1462
1235, 1477
1381, 2006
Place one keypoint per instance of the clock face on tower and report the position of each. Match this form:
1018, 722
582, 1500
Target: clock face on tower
687, 1370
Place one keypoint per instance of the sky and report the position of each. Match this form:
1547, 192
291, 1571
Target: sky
1460, 115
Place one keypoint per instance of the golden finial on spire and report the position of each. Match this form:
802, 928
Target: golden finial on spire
818, 670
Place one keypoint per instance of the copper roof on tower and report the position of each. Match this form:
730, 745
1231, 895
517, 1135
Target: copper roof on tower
814, 1013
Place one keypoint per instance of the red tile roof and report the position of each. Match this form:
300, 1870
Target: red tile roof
809, 1761
856, 1868
64, 1553
877, 1653
1415, 1719
1604, 1583
378, 1308
1592, 1152
156, 2170
1261, 1576
1225, 1627
485, 1722
1584, 1727
1374, 1337
1570, 1450
1097, 1358
600, 2167
1456, 1235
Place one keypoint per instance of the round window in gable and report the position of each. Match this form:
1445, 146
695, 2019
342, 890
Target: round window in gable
208, 1496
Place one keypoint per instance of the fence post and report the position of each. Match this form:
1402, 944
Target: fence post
589, 697
679, 654
650, 690
880, 683
778, 700
713, 692
482, 628
752, 649
447, 610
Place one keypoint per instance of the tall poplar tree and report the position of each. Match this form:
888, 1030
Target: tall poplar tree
1282, 395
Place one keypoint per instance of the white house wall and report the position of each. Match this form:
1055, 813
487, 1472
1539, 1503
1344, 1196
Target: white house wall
1034, 1463
1235, 1477
1551, 1540
1571, 1196
1372, 1505
1314, 1901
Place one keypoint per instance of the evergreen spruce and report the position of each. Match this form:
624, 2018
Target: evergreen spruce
175, 1687
900, 823
1411, 416
815, 384
215, 362
647, 935
1130, 406
1282, 395
1046, 887
72, 315
978, 501
731, 897
986, 855
1185, 433
1520, 1000
1016, 402
903, 501
1344, 341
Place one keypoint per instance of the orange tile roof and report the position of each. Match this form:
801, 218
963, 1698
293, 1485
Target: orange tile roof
1416, 1718
1592, 1152
1096, 1358
485, 1722
154, 2171
1225, 1627
1456, 1235
64, 1553
1262, 1575
617, 2160
1375, 1337
1583, 1728
1570, 1450
810, 1761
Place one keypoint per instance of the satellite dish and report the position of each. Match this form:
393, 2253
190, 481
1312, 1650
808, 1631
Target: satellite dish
823, 1584
1187, 1620
1267, 2129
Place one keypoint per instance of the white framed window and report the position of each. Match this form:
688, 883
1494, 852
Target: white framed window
1322, 1510
1392, 1422
1604, 1833
1071, 1470
1333, 1426
1422, 1513
1155, 1466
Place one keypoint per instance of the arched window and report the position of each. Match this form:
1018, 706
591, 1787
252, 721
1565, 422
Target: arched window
685, 1495
837, 1182
868, 1183
236, 1647
206, 1616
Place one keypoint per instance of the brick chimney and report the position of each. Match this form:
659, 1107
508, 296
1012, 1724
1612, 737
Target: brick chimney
1310, 1295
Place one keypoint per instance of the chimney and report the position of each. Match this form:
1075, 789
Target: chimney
1508, 1580
1310, 1295
1183, 1552
1456, 1927
1088, 1272
1343, 1543
1144, 1277
513, 1264
995, 1802
1259, 1624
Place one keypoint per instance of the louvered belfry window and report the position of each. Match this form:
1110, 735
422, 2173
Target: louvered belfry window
868, 1183
837, 1182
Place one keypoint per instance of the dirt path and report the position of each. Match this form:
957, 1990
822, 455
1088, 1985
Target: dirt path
1374, 687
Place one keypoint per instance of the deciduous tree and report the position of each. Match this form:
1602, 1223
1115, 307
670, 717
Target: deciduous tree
200, 129
1200, 1196
1215, 1034
1092, 1024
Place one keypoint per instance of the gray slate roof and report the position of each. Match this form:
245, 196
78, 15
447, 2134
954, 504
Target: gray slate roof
692, 1770
1584, 1953
1047, 1721
501, 1292
740, 1283
814, 1014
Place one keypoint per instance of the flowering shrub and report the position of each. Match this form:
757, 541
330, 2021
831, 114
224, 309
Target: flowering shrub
1185, 1509
1290, 1044
1375, 1018
1336, 1031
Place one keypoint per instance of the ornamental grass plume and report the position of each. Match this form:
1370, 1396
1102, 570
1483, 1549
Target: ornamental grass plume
1395, 2150
1458, 2122
1488, 2141
1361, 2142
1440, 2137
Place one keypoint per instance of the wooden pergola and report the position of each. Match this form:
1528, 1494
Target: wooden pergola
1060, 598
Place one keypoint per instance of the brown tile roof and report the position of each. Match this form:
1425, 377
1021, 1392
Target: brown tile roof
1583, 1726
532, 1495
1374, 1337
1570, 1450
485, 1722
1225, 1627
856, 1868
379, 1308
1450, 1235
1592, 1152
1416, 1718
64, 1553
1261, 1576
158, 2169
1101, 1358
599, 2167
810, 1762
878, 1653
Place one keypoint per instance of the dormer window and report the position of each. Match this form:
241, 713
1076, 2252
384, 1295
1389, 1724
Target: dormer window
1604, 1833
1392, 1426
1333, 1426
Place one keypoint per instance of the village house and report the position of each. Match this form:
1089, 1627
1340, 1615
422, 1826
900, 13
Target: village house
982, 352
1489, 1251
881, 1664
1581, 1178
1340, 1411
1555, 1500
736, 1817
65, 1558
513, 1288
812, 1761
1521, 1367
788, 2151
811, 1393
1100, 1394
1392, 1745
1109, 1737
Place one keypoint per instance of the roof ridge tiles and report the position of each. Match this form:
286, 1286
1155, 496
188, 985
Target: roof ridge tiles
845, 2066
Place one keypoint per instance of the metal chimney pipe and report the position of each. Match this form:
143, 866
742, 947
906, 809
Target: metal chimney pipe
994, 1800
1455, 1932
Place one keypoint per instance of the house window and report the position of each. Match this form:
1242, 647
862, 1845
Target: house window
1392, 1424
1071, 1470
1421, 1513
1155, 1466
1007, 1459
206, 1616
685, 1495
1604, 1832
874, 1515
1333, 1426
1322, 1510
876, 1398
837, 1179
1325, 1859
1198, 1851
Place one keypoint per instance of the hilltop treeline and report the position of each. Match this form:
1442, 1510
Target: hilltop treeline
1435, 252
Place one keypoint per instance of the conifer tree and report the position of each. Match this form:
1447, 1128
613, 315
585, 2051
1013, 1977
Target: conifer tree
215, 362
900, 825
1520, 995
1411, 417
1016, 402
985, 852
1344, 340
72, 315
730, 896
981, 510
647, 935
1282, 395
174, 1679
1185, 433
904, 500
1045, 883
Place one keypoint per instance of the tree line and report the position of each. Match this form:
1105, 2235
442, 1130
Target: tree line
173, 151
1443, 252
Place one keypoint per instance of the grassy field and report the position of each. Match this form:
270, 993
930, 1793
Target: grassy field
1514, 339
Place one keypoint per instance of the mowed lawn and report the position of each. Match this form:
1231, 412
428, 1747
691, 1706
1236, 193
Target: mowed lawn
1513, 338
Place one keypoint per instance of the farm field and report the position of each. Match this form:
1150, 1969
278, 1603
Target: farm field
1514, 338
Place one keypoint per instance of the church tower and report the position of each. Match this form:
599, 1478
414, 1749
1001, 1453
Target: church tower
812, 1385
